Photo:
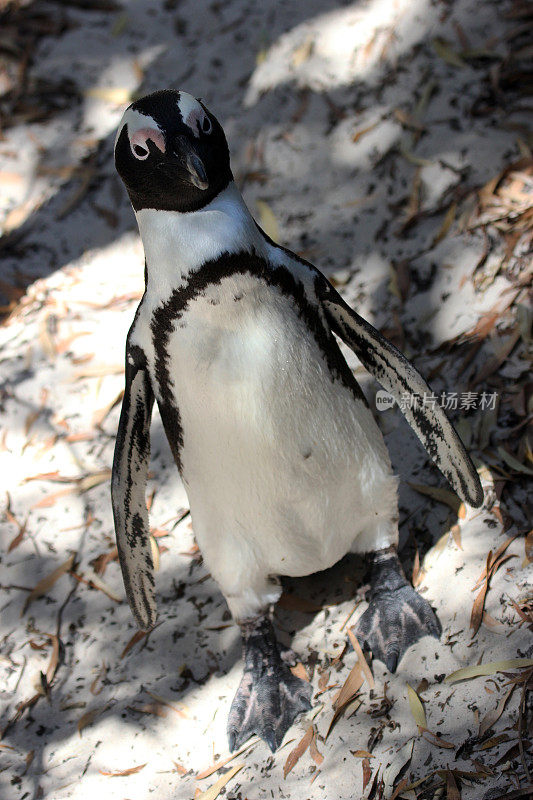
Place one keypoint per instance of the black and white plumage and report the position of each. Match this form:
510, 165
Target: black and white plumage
284, 466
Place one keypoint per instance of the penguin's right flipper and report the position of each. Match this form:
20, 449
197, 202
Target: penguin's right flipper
128, 489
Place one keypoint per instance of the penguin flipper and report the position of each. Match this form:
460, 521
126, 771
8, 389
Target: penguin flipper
128, 489
399, 377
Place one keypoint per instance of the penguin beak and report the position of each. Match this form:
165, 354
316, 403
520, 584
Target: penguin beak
190, 164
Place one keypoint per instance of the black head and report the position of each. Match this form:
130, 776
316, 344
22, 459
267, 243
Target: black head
171, 153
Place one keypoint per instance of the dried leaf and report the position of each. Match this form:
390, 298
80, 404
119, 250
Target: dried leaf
317, 756
455, 530
367, 773
98, 583
446, 224
361, 659
438, 740
361, 132
300, 672
295, 755
137, 636
528, 545
124, 772
444, 496
181, 712
45, 584
417, 709
213, 792
493, 716
489, 668
361, 754
215, 767
452, 792
513, 462
89, 717
351, 686
479, 603
267, 220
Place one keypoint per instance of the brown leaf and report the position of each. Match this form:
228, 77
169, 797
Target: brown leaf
295, 755
361, 754
361, 659
417, 708
300, 672
452, 792
479, 603
213, 792
456, 534
493, 716
88, 718
45, 584
432, 738
367, 773
444, 496
137, 636
528, 544
361, 132
219, 764
351, 686
317, 757
123, 772
94, 689
179, 711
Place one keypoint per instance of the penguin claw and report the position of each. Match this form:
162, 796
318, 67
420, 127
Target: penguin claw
267, 704
395, 619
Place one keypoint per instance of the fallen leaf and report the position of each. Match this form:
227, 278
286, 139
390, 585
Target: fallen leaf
361, 754
361, 659
215, 767
417, 709
88, 718
295, 755
45, 584
123, 772
493, 716
438, 740
367, 773
489, 668
446, 225
137, 636
213, 792
513, 462
317, 757
179, 711
361, 132
479, 603
300, 672
528, 546
452, 792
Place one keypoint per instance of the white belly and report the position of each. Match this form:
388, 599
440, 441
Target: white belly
283, 466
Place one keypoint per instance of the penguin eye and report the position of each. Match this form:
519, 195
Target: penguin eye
207, 127
140, 152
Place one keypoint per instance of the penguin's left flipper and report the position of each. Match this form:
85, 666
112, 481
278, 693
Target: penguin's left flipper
269, 697
397, 616
400, 378
128, 489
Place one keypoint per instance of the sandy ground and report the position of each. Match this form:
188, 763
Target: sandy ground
354, 129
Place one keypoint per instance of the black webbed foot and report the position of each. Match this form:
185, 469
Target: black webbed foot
269, 696
397, 616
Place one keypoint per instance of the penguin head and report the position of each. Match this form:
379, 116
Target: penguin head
171, 153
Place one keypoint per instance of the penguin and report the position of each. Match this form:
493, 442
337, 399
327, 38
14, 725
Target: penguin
285, 468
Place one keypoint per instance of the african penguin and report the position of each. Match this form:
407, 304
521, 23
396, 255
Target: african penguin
285, 468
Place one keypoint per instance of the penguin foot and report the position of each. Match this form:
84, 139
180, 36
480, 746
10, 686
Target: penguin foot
269, 697
397, 616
